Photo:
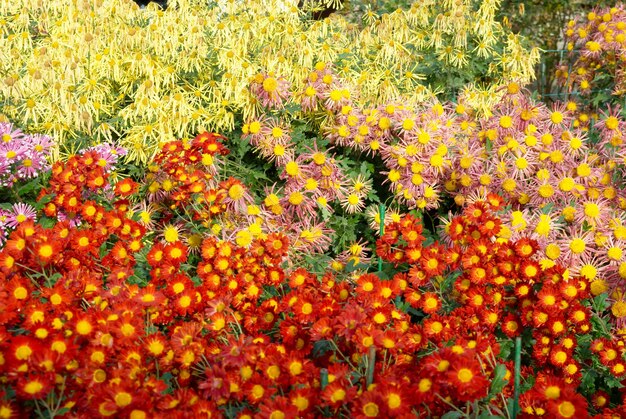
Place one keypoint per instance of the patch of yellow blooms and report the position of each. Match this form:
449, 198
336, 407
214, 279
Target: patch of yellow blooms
108, 70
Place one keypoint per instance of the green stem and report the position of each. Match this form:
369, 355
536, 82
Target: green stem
346, 359
518, 365
381, 209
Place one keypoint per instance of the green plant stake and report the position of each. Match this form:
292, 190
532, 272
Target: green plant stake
323, 385
381, 212
518, 362
371, 362
323, 378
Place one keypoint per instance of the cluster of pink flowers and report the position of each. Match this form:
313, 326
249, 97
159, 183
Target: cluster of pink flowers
22, 156
311, 180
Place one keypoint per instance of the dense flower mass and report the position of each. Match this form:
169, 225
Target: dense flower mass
591, 74
352, 243
561, 185
598, 38
100, 317
147, 75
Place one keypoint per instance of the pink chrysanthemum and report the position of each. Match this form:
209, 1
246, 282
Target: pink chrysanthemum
270, 90
20, 213
73, 222
109, 154
31, 164
577, 245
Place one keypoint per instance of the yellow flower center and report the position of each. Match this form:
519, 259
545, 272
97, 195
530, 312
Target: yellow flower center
577, 245
611, 123
506, 121
465, 375
123, 399
236, 192
170, 234
307, 308
33, 387
370, 410
592, 210
270, 84
556, 117
567, 409
425, 385
255, 127
552, 392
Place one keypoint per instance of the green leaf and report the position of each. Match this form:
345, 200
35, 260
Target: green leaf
546, 209
326, 214
600, 302
526, 384
498, 381
52, 279
29, 187
588, 381
45, 199
320, 348
449, 279
583, 348
351, 266
600, 326
169, 380
366, 168
293, 107
402, 305
506, 348
382, 275
47, 222
612, 382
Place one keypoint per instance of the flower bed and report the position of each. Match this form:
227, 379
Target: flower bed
102, 317
348, 246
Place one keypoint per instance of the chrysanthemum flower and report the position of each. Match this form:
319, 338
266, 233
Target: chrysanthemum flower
575, 245
353, 202
559, 116
272, 91
469, 381
19, 213
126, 187
108, 155
35, 385
570, 404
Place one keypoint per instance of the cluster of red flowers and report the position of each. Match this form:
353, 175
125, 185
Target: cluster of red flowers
187, 194
553, 397
97, 320
610, 353
184, 172
501, 291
